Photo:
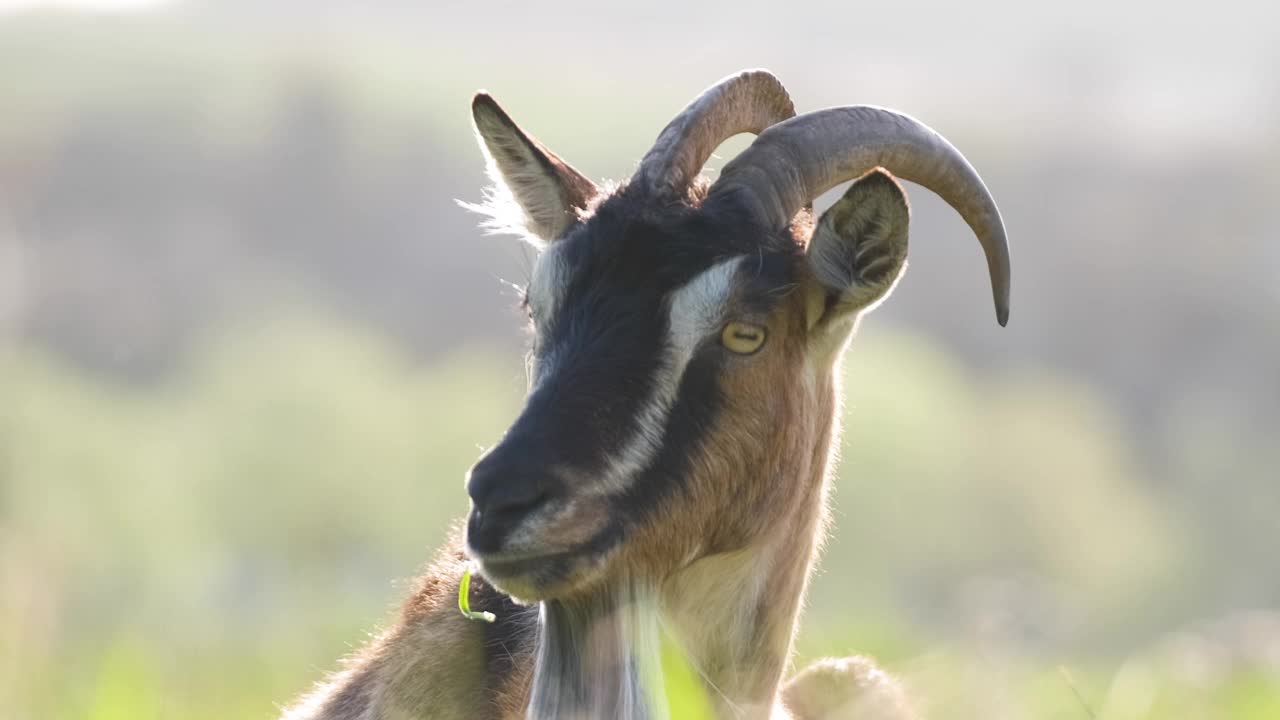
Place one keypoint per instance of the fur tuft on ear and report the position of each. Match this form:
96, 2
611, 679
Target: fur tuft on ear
859, 247
534, 192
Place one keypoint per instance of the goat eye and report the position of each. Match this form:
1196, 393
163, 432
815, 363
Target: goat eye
742, 338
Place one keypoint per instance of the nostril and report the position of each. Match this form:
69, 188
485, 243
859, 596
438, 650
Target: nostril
499, 494
522, 499
512, 480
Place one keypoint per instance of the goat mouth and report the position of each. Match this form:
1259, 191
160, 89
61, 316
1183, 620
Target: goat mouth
529, 578
533, 575
511, 565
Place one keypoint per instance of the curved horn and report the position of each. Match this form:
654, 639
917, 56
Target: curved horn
749, 101
794, 162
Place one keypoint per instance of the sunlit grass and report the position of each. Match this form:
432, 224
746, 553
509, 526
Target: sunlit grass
685, 696
129, 680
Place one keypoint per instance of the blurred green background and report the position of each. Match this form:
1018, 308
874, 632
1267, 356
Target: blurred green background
249, 344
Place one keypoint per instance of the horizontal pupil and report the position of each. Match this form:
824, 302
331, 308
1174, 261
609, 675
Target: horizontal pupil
745, 335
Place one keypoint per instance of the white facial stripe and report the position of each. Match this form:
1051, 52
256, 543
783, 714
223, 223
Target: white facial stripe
696, 310
540, 368
548, 283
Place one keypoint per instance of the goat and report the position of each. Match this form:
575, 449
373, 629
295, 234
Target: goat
665, 485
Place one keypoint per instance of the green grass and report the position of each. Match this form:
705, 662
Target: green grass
134, 680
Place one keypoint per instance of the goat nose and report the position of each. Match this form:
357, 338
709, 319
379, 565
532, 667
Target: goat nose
500, 492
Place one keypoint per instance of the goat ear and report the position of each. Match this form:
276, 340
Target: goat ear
858, 249
548, 190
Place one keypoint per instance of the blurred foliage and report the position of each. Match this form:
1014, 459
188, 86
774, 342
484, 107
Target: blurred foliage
204, 547
933, 455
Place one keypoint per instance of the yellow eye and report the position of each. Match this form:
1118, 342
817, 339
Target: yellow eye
742, 338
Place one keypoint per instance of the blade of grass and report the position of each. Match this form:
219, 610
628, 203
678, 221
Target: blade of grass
1071, 683
464, 601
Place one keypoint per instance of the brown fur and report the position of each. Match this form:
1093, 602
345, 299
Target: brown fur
430, 658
